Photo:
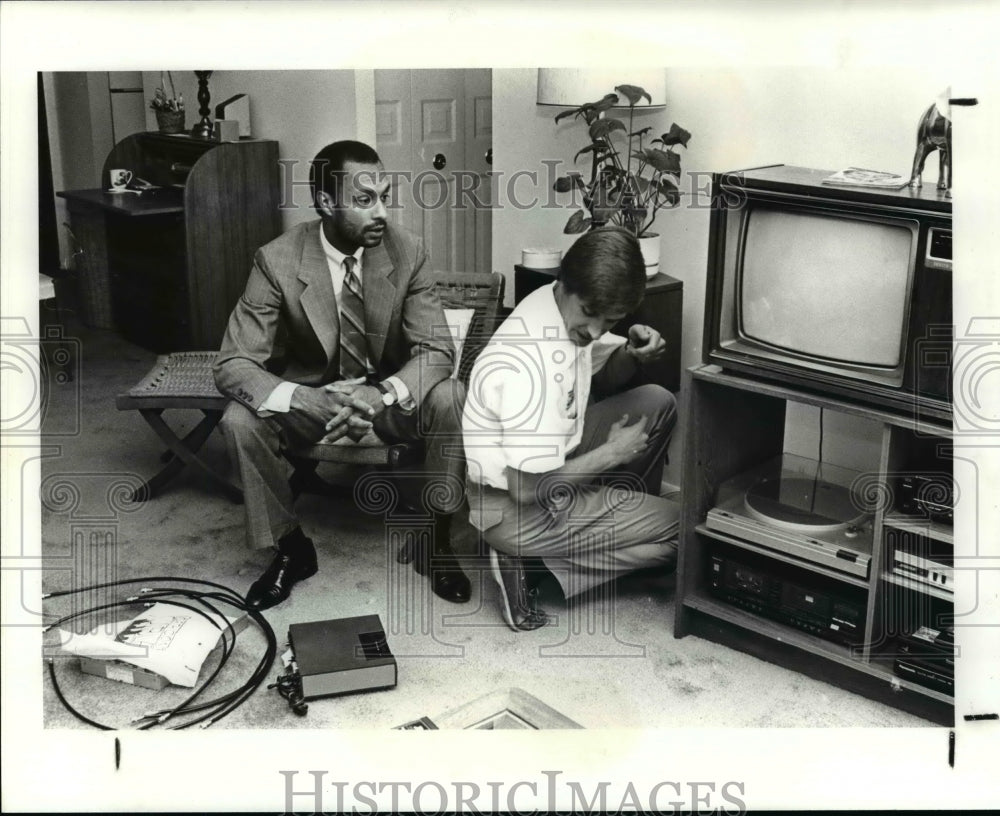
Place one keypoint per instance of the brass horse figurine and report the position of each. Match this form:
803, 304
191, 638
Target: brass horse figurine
934, 133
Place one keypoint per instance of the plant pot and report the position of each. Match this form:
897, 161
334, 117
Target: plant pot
650, 246
169, 121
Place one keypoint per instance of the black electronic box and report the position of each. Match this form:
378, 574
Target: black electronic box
795, 601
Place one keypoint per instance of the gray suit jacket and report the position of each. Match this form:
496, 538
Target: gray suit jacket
286, 325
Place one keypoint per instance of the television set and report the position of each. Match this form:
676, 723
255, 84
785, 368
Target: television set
842, 290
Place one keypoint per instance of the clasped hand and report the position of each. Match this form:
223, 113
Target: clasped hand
333, 411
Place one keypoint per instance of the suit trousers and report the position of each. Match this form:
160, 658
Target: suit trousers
257, 445
588, 535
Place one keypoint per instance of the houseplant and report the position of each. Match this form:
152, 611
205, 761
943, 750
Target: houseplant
630, 180
169, 109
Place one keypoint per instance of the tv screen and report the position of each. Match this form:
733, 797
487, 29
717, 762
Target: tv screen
825, 286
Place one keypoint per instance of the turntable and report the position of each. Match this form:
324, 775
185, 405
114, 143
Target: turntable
802, 508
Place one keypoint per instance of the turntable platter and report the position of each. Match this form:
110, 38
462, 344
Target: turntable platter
806, 505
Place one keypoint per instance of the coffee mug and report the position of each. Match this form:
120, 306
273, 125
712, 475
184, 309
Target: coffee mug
120, 179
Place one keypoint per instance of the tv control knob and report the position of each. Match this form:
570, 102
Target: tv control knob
853, 531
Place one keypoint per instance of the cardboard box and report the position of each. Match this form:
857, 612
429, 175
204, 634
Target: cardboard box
137, 676
123, 673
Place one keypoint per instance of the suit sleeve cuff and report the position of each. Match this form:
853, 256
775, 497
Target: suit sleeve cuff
279, 400
403, 397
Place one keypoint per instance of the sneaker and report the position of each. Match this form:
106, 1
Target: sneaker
518, 603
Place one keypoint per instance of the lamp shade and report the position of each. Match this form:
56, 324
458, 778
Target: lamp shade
572, 87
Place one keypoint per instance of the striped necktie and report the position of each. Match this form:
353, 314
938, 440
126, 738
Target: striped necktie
353, 341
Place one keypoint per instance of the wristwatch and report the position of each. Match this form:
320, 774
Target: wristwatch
388, 394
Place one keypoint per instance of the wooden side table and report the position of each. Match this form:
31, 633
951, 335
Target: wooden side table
661, 309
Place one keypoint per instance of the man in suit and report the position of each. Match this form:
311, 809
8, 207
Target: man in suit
339, 334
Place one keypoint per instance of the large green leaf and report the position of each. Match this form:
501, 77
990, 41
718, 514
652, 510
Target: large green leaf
642, 132
633, 93
663, 161
602, 128
566, 183
563, 114
608, 102
563, 184
578, 222
677, 135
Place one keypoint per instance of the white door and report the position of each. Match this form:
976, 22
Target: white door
393, 130
479, 161
436, 127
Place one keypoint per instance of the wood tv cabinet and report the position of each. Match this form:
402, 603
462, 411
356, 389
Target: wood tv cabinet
737, 423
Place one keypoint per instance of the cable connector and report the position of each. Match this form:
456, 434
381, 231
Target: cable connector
289, 686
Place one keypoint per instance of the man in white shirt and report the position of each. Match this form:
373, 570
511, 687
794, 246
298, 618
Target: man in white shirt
339, 333
553, 474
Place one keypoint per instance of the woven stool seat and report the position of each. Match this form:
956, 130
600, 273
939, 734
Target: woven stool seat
180, 380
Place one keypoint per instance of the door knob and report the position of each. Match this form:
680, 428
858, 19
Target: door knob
489, 156
439, 161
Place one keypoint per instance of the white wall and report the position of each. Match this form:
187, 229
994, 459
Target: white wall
524, 135
812, 117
